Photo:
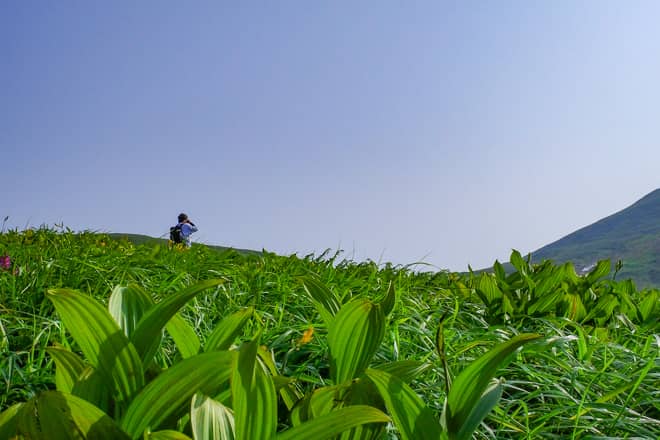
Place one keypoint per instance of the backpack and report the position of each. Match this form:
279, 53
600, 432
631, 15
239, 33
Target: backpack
175, 234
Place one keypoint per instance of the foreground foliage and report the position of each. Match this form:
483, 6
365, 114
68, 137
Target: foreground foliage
106, 338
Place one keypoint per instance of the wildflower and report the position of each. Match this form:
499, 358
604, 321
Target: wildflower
307, 336
5, 262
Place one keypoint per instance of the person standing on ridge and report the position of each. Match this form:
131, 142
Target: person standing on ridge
183, 230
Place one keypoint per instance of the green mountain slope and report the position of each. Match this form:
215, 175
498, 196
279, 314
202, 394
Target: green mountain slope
631, 235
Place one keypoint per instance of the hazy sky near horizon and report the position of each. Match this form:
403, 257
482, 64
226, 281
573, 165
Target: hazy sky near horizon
444, 132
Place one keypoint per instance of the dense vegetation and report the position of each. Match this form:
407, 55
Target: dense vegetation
119, 340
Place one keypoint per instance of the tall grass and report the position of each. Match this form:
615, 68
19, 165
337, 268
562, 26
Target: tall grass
591, 377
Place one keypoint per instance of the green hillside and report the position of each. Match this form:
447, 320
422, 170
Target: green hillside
631, 235
139, 239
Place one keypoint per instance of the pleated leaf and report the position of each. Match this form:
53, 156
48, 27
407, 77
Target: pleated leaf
166, 434
53, 414
226, 332
68, 367
150, 327
101, 340
473, 381
353, 337
254, 399
334, 423
211, 420
185, 338
91, 387
9, 421
324, 300
171, 391
486, 403
412, 418
127, 305
389, 301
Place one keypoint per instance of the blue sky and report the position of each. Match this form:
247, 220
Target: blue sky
448, 132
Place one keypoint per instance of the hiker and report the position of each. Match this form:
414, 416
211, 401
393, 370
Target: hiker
183, 230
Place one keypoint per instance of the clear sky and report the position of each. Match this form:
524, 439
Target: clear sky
444, 132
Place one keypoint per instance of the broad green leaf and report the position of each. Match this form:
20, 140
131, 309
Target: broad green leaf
546, 302
150, 327
499, 271
101, 340
91, 387
9, 421
602, 268
649, 304
320, 401
53, 413
488, 288
412, 418
389, 301
211, 420
171, 391
184, 336
329, 425
486, 403
353, 337
68, 367
254, 399
166, 434
518, 262
226, 332
473, 381
325, 301
575, 308
127, 305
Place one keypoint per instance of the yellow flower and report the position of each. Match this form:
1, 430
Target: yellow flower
307, 336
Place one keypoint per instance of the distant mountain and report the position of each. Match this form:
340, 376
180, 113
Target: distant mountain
631, 235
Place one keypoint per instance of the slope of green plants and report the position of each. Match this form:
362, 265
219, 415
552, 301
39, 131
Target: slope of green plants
101, 336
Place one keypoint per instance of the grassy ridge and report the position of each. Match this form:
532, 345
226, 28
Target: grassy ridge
583, 380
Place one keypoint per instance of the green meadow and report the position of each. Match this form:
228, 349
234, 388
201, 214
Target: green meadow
104, 338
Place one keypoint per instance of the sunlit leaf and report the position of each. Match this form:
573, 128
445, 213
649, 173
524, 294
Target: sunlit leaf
353, 337
68, 367
171, 391
334, 423
211, 420
254, 399
412, 418
150, 327
184, 336
101, 340
325, 301
228, 330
